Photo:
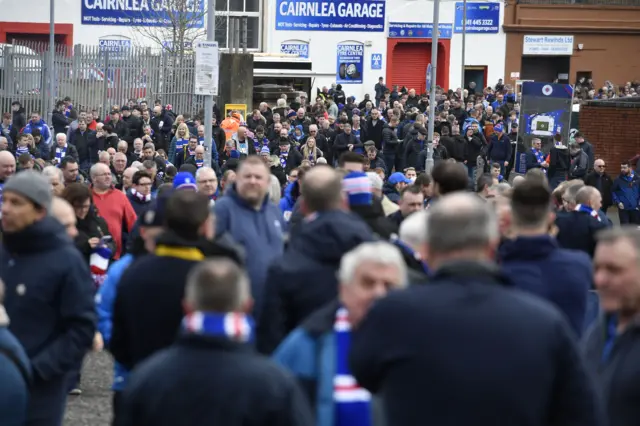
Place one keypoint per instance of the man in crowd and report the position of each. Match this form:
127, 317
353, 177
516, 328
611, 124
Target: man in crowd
70, 171
404, 346
217, 293
304, 278
601, 181
534, 260
207, 182
49, 293
315, 352
625, 194
411, 201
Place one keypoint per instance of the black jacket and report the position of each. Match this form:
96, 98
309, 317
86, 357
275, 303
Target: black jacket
85, 143
49, 299
577, 231
390, 141
373, 132
475, 148
467, 339
135, 129
456, 147
602, 183
59, 121
203, 380
71, 151
304, 278
143, 325
373, 216
92, 226
121, 128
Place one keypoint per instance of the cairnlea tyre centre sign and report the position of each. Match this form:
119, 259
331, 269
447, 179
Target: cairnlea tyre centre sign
330, 15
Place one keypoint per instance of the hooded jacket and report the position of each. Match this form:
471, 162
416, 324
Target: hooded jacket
51, 309
44, 130
304, 278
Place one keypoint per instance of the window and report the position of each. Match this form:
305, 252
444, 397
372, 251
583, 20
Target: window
239, 8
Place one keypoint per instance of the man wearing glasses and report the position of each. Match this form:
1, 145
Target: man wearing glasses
600, 180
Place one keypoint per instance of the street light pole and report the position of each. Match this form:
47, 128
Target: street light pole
464, 40
208, 100
52, 39
432, 95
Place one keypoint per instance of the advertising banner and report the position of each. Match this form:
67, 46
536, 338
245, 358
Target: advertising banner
418, 30
143, 13
330, 15
349, 63
376, 61
482, 18
298, 48
545, 110
547, 45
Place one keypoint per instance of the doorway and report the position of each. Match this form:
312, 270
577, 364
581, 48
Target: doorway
545, 69
477, 74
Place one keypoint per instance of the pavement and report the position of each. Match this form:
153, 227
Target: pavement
93, 407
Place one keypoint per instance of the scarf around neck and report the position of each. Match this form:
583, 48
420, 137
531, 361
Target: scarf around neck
283, 159
140, 197
232, 326
61, 153
539, 157
352, 403
587, 209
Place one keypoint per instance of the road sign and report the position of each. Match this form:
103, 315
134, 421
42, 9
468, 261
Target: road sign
376, 61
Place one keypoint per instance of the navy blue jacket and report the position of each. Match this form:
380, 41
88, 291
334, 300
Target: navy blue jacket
467, 349
626, 190
304, 278
563, 277
215, 381
49, 299
260, 232
577, 231
15, 376
499, 148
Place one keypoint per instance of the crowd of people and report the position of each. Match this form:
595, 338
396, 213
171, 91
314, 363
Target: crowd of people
316, 273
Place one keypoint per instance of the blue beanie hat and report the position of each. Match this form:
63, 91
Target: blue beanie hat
184, 180
265, 150
358, 188
234, 154
498, 128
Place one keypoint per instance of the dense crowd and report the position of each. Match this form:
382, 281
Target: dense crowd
316, 273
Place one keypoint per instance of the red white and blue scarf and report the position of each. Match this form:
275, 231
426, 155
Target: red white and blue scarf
587, 209
352, 403
539, 157
233, 326
99, 264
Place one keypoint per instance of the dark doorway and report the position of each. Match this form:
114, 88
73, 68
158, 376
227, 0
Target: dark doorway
477, 74
546, 68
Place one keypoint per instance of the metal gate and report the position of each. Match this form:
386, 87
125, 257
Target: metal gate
94, 78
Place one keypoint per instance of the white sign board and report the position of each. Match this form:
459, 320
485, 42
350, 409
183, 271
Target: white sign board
207, 68
547, 45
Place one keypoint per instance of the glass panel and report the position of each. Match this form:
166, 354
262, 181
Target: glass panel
236, 5
252, 6
221, 6
253, 33
221, 30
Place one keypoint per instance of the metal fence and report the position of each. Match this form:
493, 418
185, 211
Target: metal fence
94, 78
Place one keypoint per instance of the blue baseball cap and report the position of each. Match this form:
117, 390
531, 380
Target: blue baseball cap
397, 178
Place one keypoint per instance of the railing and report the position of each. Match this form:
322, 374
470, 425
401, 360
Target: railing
585, 2
96, 79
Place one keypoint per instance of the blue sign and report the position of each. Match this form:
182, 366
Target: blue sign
376, 61
118, 45
330, 15
349, 64
563, 91
429, 71
143, 13
301, 50
482, 18
418, 30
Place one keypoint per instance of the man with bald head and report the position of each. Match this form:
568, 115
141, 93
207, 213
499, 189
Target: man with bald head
525, 344
601, 180
127, 178
305, 276
63, 212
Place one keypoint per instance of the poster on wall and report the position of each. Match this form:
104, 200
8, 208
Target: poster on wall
143, 13
349, 63
298, 48
545, 110
482, 18
330, 15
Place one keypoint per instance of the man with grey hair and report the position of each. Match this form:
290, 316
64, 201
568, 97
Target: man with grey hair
579, 161
612, 340
215, 332
367, 273
405, 345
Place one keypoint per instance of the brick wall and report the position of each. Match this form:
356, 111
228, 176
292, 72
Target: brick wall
613, 129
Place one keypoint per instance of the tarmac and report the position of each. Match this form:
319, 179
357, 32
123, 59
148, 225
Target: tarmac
93, 407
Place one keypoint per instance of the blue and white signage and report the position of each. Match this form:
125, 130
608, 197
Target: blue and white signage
115, 46
349, 64
482, 18
376, 61
329, 15
168, 45
143, 13
428, 79
297, 48
418, 30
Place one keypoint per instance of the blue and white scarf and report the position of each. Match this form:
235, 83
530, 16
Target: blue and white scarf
587, 209
539, 157
181, 143
352, 403
60, 154
199, 163
283, 160
22, 150
233, 326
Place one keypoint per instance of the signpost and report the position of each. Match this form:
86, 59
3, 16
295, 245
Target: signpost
206, 83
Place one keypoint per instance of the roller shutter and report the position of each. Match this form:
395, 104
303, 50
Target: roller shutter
409, 65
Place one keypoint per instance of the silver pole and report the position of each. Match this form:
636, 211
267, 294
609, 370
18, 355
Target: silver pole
208, 100
52, 51
244, 33
464, 39
432, 95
